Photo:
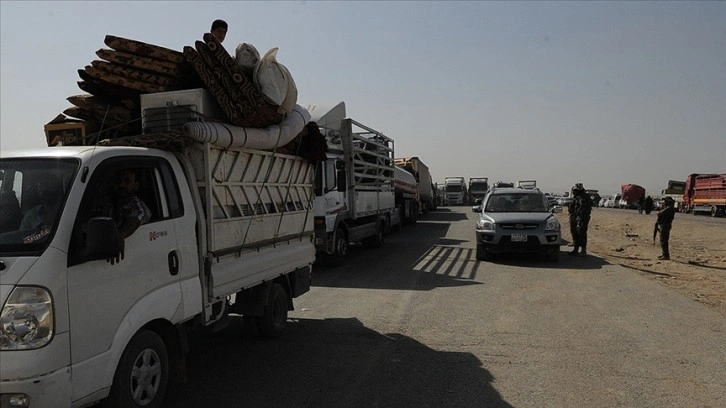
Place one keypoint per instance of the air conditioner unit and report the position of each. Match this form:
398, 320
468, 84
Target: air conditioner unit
167, 111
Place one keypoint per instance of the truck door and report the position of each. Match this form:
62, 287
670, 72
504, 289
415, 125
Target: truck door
107, 302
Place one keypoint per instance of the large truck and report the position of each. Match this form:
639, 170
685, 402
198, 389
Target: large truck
407, 193
231, 232
705, 193
425, 185
629, 195
354, 193
675, 190
455, 190
478, 188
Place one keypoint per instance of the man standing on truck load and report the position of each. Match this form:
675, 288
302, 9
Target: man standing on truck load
128, 211
219, 30
665, 221
579, 209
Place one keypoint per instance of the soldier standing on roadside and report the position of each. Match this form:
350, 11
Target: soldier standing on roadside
580, 209
665, 221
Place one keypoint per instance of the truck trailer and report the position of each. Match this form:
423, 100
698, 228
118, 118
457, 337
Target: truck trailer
425, 186
230, 232
705, 193
354, 193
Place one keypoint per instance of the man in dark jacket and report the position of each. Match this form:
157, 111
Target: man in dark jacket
579, 210
665, 221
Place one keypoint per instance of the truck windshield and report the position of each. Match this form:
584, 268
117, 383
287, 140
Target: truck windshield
479, 186
32, 195
453, 188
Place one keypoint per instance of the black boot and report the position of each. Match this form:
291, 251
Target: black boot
574, 251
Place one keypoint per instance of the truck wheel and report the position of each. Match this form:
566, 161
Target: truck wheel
274, 318
481, 253
142, 374
341, 248
377, 240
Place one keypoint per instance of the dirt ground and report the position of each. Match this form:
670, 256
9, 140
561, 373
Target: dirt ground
698, 250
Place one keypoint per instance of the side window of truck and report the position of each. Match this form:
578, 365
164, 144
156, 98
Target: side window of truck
156, 187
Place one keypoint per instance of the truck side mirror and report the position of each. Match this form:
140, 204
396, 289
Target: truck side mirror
342, 183
102, 239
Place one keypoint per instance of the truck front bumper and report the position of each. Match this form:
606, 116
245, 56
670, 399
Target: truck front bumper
24, 375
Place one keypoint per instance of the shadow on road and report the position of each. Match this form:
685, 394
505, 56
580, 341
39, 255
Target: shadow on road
418, 257
537, 261
329, 363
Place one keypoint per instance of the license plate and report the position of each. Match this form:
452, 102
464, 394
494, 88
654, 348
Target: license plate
516, 237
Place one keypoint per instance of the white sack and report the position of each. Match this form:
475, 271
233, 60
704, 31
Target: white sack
228, 136
291, 97
247, 56
269, 78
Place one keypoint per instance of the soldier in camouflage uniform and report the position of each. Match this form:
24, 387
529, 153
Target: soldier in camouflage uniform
665, 221
579, 210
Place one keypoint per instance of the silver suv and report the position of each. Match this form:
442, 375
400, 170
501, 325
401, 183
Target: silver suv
517, 220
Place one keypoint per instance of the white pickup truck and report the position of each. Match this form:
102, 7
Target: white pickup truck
231, 231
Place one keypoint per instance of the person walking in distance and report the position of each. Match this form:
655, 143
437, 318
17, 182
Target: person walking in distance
579, 210
665, 221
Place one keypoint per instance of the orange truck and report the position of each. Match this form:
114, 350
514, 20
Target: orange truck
705, 193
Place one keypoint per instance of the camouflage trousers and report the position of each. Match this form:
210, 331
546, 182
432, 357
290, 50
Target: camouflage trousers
578, 229
665, 234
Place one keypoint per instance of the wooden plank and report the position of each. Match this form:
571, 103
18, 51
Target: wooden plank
124, 82
133, 73
135, 61
103, 108
143, 49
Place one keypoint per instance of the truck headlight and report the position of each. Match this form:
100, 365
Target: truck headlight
26, 320
552, 224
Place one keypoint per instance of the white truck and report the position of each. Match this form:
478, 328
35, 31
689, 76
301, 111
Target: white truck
456, 191
354, 189
231, 232
425, 185
478, 188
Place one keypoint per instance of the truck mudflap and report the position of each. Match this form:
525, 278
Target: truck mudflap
300, 281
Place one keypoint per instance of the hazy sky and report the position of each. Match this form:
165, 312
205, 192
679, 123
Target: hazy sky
603, 93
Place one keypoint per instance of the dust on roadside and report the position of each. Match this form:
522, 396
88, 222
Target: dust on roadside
698, 251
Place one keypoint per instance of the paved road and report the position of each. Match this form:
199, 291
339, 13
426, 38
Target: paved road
421, 323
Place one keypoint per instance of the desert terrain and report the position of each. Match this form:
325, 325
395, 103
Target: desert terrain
697, 248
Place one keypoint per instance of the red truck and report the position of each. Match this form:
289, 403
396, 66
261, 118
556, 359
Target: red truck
630, 195
705, 193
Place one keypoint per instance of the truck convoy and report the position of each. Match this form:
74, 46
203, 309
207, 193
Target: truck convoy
456, 191
354, 194
478, 187
705, 193
425, 186
231, 231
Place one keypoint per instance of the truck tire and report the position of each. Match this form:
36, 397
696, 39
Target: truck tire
142, 374
274, 319
340, 251
377, 240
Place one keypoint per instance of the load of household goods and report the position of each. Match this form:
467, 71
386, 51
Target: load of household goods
254, 98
